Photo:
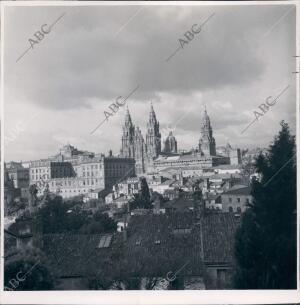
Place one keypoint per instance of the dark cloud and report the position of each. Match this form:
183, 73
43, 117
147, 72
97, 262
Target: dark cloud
95, 54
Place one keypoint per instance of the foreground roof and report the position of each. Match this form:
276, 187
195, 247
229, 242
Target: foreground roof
239, 190
161, 243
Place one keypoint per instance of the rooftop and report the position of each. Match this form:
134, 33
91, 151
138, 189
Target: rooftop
239, 190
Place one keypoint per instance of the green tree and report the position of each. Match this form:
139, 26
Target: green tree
29, 270
143, 199
265, 245
101, 223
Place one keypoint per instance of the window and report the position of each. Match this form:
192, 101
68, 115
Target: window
247, 200
230, 209
238, 199
238, 209
230, 199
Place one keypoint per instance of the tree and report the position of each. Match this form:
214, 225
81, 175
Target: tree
145, 195
142, 200
58, 216
101, 223
29, 270
265, 245
248, 166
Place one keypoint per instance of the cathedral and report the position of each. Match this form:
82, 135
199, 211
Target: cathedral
134, 145
145, 152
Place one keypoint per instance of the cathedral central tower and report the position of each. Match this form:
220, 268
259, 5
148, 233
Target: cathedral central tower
153, 136
207, 143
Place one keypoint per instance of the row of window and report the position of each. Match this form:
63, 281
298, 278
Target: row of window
91, 167
68, 182
39, 170
93, 174
238, 210
39, 177
238, 200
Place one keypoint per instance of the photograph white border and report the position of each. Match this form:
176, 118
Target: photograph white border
147, 297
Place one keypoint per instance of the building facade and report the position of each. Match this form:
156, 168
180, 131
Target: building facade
79, 173
134, 146
236, 199
18, 174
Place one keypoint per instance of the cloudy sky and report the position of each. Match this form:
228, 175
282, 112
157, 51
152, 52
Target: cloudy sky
58, 91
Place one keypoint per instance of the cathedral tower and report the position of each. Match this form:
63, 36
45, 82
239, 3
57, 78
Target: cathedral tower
153, 136
133, 144
207, 143
170, 144
127, 150
139, 151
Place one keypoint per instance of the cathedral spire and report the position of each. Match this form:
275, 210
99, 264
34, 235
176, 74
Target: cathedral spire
207, 144
128, 120
153, 136
152, 116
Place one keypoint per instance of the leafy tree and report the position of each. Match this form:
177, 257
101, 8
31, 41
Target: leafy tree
29, 270
248, 166
143, 199
58, 216
101, 223
265, 245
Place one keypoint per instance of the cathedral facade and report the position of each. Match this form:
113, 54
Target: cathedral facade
134, 145
146, 153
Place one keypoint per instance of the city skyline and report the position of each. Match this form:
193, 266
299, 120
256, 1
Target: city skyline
58, 93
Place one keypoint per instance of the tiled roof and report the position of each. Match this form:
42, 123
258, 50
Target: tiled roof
242, 190
76, 254
156, 244
180, 203
218, 230
155, 248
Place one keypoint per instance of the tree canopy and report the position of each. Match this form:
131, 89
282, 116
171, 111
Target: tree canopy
265, 247
58, 216
143, 199
29, 270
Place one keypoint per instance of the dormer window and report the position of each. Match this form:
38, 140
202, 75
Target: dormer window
105, 241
